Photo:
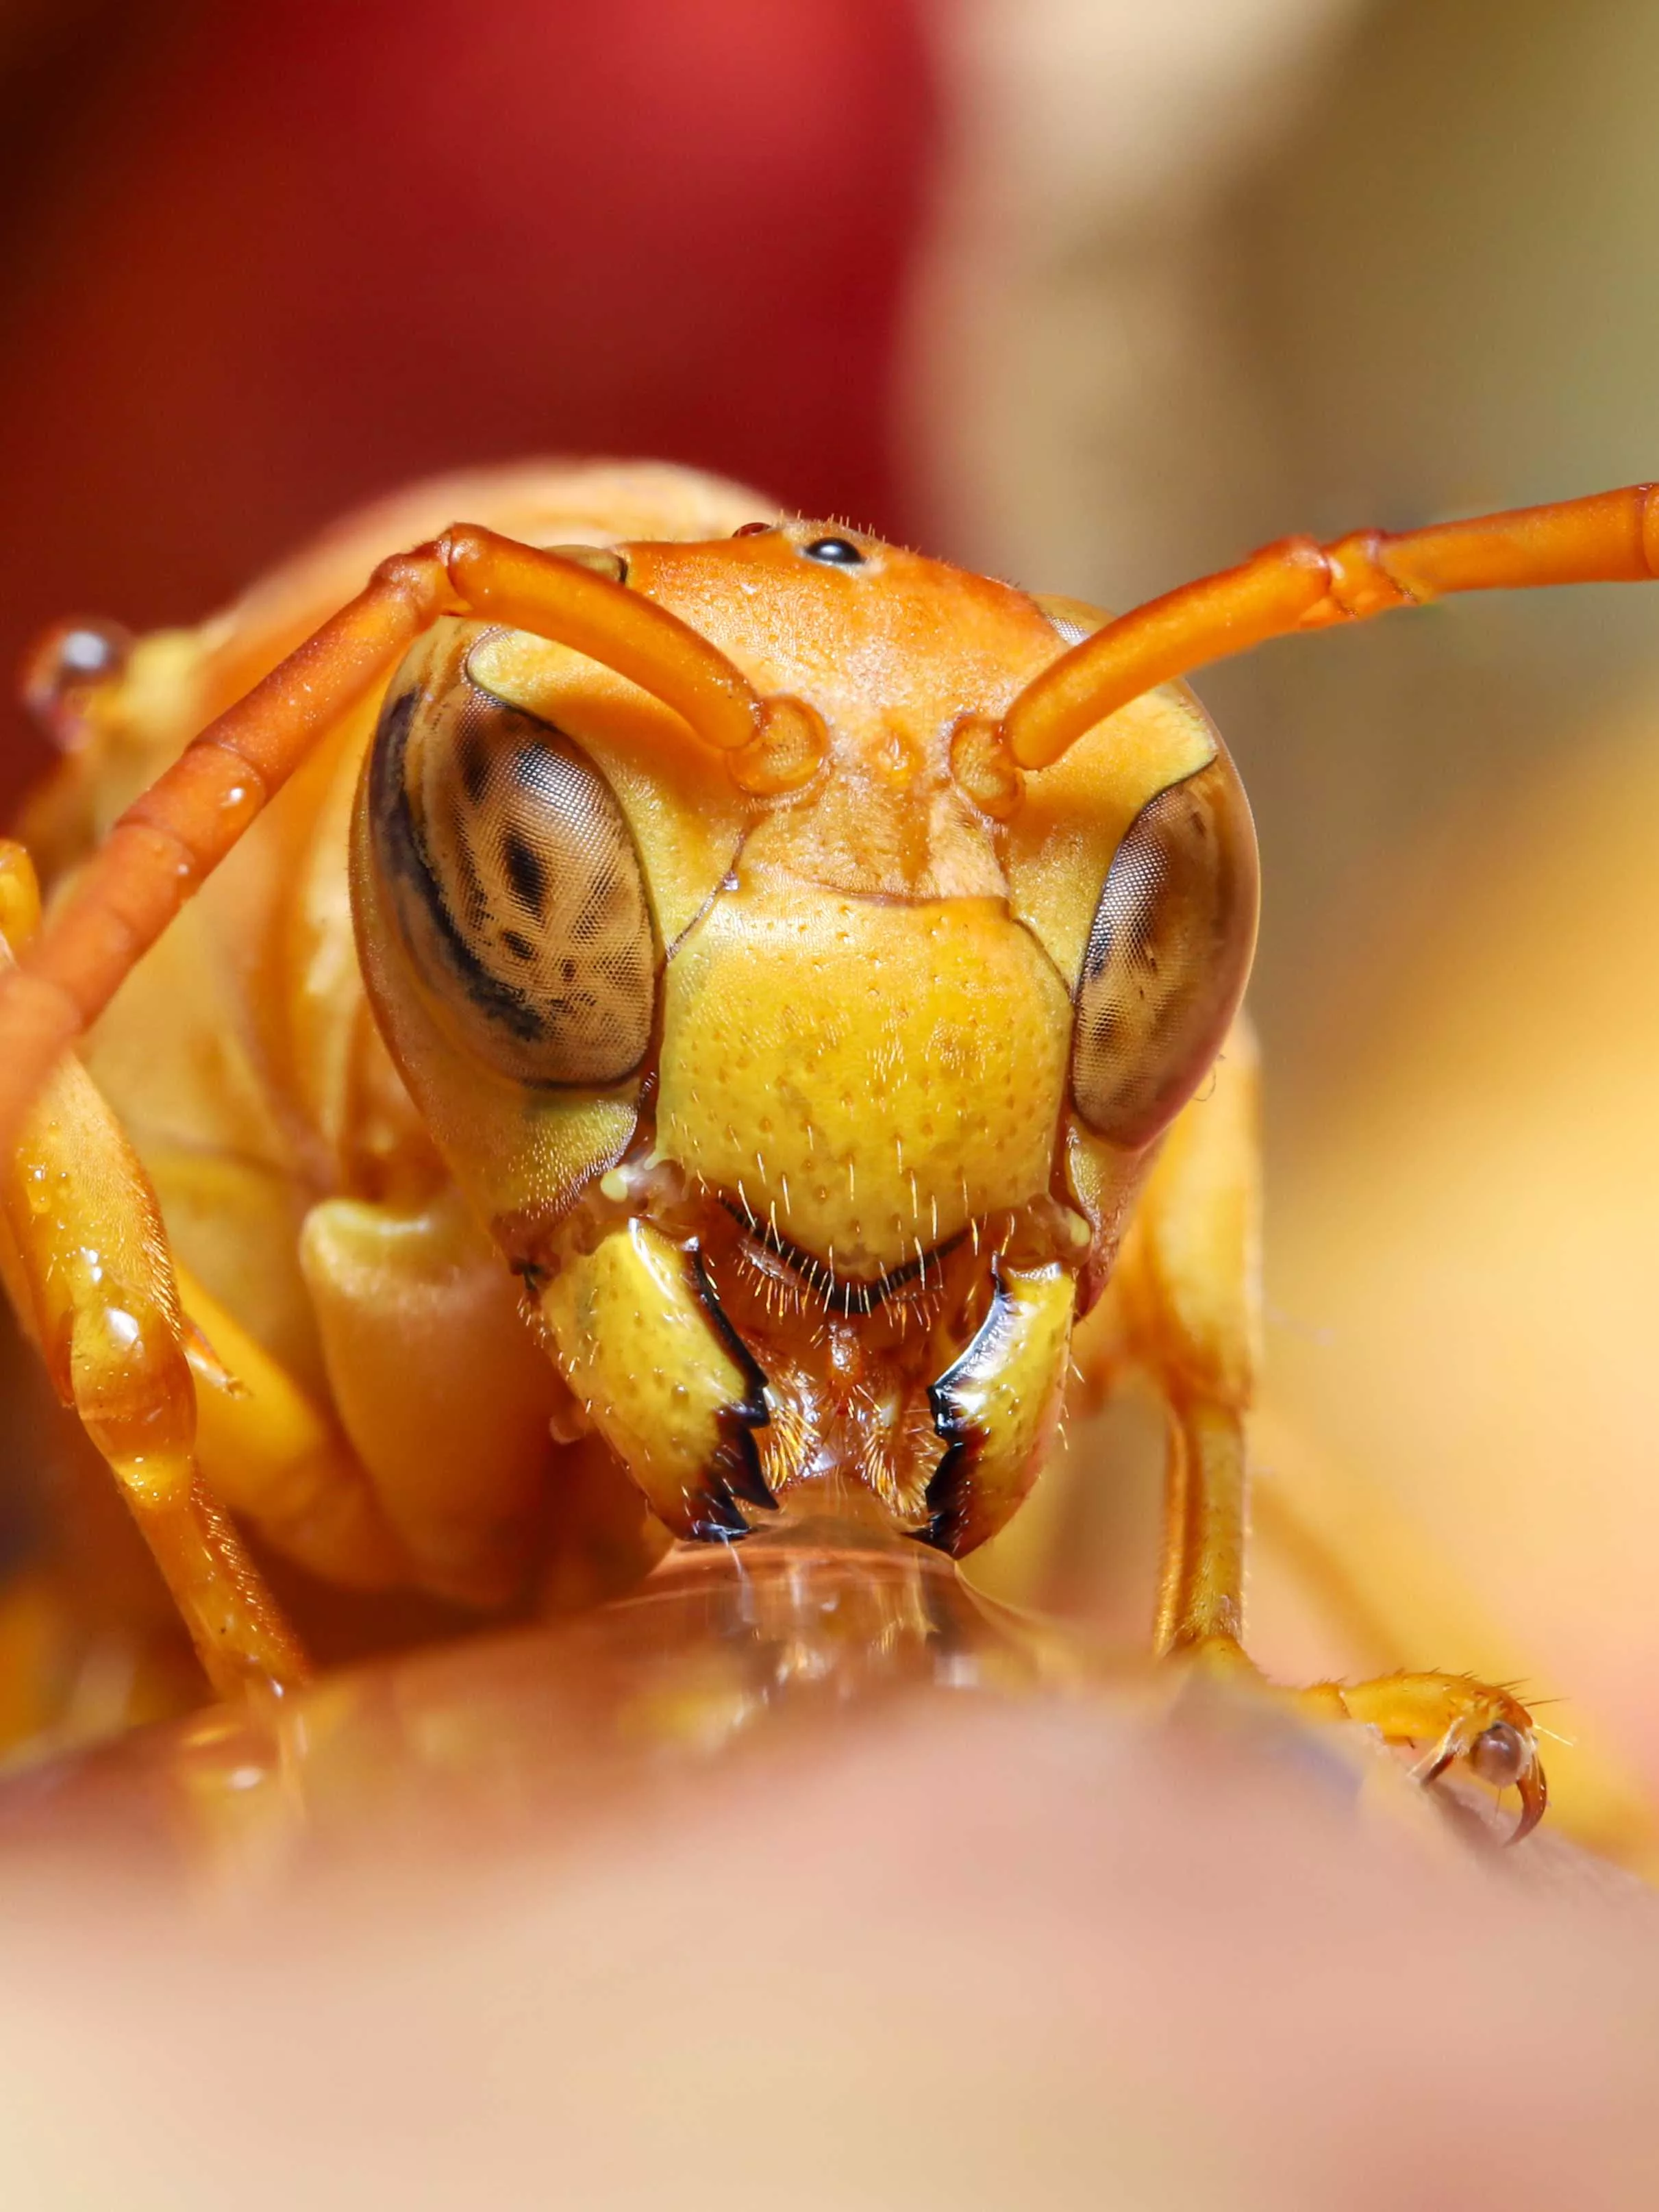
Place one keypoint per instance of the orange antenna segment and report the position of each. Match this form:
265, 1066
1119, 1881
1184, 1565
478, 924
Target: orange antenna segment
1297, 584
182, 827
537, 592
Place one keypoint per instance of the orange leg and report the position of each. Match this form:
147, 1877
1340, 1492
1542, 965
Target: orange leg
183, 826
1187, 1281
84, 1255
1300, 585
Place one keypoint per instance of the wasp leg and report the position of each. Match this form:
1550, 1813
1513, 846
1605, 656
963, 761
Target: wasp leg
644, 1345
274, 1456
1455, 1717
442, 1389
1189, 1302
86, 1261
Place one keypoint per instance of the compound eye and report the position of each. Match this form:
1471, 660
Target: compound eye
1167, 957
516, 883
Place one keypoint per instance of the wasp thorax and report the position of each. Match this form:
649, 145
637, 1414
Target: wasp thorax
515, 879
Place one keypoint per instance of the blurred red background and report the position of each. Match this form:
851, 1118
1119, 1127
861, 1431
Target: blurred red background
255, 264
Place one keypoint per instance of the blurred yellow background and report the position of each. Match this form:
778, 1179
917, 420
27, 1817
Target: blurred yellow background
1377, 265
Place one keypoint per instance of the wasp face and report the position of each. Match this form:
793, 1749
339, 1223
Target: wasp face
808, 1106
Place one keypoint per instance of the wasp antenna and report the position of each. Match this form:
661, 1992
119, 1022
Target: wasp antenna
1298, 584
179, 831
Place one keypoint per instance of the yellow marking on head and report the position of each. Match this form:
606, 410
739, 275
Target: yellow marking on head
926, 1045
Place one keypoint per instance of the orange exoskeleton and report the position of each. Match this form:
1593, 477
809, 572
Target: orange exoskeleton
721, 1001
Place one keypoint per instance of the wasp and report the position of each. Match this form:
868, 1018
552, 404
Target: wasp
699, 1008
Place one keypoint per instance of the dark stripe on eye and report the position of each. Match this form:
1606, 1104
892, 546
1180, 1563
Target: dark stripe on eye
401, 847
525, 872
474, 766
477, 890
388, 802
